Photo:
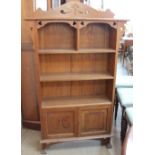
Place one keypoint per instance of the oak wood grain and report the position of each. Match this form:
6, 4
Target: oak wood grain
58, 140
75, 101
71, 51
75, 57
74, 77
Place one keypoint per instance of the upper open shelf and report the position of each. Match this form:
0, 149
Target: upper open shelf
57, 36
75, 101
105, 38
61, 37
70, 51
74, 76
75, 65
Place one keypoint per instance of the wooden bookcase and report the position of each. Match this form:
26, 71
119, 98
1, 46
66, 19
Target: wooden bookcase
76, 56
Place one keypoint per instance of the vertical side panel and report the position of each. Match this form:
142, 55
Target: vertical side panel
29, 98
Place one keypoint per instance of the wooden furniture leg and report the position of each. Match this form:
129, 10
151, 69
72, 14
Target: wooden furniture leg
116, 107
123, 126
103, 141
43, 148
127, 43
127, 141
109, 145
106, 142
123, 57
123, 54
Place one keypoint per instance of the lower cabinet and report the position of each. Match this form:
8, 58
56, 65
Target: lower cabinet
75, 122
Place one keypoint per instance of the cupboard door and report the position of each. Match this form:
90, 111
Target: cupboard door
58, 123
94, 121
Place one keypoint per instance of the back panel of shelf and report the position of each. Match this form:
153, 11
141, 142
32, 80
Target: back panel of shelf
77, 88
57, 36
77, 63
98, 35
64, 36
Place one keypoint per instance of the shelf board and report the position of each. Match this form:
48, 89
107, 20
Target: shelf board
75, 101
74, 77
72, 51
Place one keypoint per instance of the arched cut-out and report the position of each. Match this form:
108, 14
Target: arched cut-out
56, 36
106, 35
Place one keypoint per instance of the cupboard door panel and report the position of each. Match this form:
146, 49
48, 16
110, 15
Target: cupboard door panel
59, 123
93, 121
